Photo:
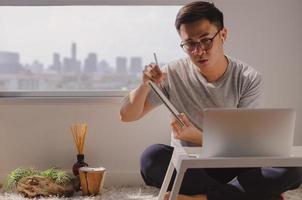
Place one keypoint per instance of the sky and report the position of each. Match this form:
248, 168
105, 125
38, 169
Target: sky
110, 31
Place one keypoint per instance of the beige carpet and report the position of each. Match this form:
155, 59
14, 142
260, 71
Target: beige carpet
130, 193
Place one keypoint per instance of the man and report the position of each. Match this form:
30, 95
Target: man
206, 78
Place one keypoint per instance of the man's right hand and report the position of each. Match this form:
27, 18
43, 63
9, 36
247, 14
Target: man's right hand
152, 72
136, 105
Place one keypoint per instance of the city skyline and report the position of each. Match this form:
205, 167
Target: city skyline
91, 63
69, 73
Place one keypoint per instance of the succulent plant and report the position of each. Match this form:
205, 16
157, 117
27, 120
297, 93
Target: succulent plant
58, 176
14, 177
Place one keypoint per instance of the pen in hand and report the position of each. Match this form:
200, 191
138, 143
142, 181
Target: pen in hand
156, 62
155, 58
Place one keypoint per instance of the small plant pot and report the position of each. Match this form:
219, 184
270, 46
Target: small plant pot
92, 180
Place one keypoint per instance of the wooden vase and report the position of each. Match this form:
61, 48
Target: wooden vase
92, 180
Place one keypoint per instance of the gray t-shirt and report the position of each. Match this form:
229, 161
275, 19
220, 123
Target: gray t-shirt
190, 93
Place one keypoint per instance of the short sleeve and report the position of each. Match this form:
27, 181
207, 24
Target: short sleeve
252, 92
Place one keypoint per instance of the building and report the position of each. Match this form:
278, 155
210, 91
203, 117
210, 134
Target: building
121, 65
136, 65
9, 62
90, 64
56, 63
72, 65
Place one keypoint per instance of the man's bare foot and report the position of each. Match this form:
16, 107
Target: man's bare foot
186, 197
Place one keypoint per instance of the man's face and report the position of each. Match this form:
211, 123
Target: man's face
208, 51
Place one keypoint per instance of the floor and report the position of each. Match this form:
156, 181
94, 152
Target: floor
130, 193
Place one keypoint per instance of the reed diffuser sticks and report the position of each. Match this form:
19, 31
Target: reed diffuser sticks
79, 133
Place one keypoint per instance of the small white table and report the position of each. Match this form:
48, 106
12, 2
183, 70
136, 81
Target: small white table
183, 159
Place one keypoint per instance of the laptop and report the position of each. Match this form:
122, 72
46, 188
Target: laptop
248, 132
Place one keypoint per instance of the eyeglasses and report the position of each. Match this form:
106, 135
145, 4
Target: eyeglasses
204, 44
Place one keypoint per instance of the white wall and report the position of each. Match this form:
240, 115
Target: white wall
265, 34
36, 133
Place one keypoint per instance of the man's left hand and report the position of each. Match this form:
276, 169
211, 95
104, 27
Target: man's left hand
188, 132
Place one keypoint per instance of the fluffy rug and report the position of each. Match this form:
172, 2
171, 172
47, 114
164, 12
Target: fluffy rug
110, 193
129, 193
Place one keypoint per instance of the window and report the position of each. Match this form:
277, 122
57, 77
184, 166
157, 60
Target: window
83, 48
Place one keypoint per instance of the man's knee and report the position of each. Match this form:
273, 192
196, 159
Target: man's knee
154, 163
154, 155
294, 174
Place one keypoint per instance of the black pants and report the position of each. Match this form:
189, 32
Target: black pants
220, 183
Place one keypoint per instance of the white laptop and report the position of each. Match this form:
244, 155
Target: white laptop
248, 132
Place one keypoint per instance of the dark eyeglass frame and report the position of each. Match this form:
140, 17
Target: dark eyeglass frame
205, 44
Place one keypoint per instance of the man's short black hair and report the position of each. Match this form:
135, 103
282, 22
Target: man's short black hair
197, 11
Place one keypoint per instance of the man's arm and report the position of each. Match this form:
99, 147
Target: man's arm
135, 105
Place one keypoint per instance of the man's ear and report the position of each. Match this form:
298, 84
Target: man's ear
224, 34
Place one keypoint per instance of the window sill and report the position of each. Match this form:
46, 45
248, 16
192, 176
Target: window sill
67, 96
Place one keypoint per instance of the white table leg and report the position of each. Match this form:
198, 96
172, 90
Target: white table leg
166, 182
177, 183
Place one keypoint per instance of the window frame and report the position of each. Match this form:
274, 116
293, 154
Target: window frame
91, 2
78, 94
